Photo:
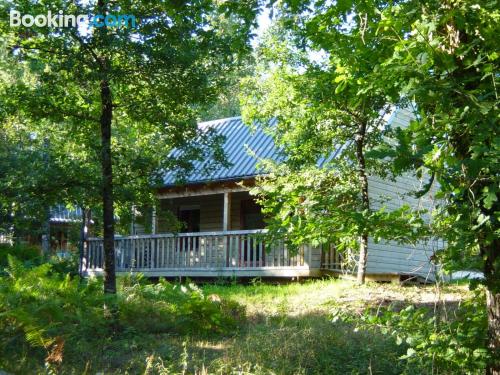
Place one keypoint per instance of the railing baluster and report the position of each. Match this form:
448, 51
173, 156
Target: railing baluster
286, 256
249, 257
279, 253
242, 251
261, 254
134, 254
231, 250
222, 249
163, 240
90, 256
207, 250
168, 246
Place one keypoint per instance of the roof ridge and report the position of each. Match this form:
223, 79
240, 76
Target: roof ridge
210, 122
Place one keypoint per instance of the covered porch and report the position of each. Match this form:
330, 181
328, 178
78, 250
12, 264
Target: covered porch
243, 253
221, 235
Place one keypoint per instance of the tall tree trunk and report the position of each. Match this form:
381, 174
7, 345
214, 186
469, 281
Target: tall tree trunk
492, 280
493, 307
106, 160
107, 188
363, 180
47, 215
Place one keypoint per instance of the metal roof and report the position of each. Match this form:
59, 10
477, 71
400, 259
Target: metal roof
244, 146
61, 214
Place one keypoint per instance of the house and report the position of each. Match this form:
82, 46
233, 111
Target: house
223, 232
65, 227
63, 231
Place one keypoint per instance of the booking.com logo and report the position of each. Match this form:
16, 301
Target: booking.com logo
60, 19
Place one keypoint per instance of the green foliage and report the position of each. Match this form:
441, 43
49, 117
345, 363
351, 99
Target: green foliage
42, 312
445, 59
67, 265
321, 81
24, 253
54, 318
160, 73
176, 308
445, 339
322, 206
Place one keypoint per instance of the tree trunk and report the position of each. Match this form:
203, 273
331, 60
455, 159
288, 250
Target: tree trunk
107, 188
493, 308
363, 180
492, 282
106, 160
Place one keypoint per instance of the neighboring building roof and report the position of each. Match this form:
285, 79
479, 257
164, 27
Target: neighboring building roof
241, 142
61, 214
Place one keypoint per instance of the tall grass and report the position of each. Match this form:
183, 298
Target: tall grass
51, 322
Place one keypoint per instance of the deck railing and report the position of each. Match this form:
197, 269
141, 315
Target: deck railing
202, 250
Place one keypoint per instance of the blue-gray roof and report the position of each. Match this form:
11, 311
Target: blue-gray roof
61, 214
244, 146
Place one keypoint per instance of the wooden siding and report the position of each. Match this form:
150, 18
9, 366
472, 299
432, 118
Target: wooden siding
211, 211
391, 257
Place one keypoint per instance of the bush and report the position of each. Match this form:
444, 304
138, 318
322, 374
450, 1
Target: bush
25, 253
49, 317
448, 340
44, 315
65, 265
176, 308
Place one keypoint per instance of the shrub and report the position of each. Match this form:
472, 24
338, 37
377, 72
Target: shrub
449, 340
45, 314
176, 308
25, 253
66, 265
50, 317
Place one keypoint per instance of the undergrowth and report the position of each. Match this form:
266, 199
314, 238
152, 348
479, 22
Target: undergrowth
438, 339
47, 319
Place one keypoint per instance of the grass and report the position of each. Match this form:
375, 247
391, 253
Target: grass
289, 330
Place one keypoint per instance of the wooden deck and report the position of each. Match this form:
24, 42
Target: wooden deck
242, 253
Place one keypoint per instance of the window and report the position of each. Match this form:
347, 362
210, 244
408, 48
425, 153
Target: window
190, 217
251, 215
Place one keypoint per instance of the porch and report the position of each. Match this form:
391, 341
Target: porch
239, 253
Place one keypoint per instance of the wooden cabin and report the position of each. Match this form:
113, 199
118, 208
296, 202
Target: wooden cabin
223, 232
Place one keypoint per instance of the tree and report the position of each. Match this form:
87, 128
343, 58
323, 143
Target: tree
445, 59
320, 79
103, 79
228, 104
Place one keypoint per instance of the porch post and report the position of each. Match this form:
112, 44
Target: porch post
226, 224
226, 221
153, 220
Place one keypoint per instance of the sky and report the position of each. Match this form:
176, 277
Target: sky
264, 21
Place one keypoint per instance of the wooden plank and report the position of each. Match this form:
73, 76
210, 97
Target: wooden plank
262, 254
212, 233
152, 253
208, 239
254, 251
247, 243
177, 250
278, 249
226, 219
234, 250
163, 244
